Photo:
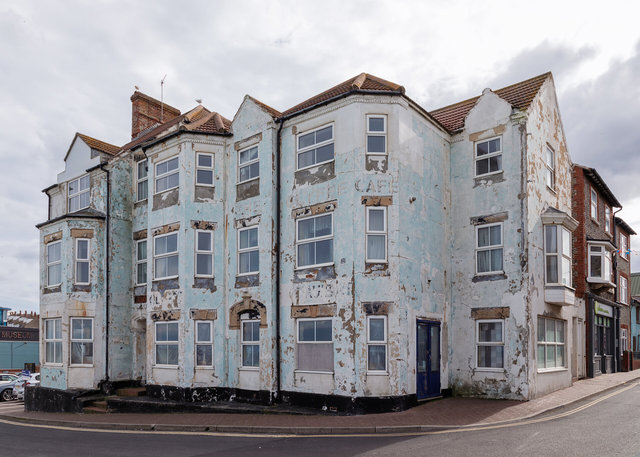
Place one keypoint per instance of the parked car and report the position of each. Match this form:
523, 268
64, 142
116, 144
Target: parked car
6, 378
6, 391
24, 381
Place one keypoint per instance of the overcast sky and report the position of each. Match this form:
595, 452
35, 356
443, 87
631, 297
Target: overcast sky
69, 67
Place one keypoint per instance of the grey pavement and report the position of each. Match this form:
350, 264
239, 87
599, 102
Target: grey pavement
443, 413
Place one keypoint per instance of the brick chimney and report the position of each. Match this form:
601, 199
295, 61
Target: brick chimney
146, 111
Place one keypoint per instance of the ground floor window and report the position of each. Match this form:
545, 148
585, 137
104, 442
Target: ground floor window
53, 340
251, 343
315, 345
167, 343
490, 343
81, 341
624, 339
204, 344
551, 343
377, 343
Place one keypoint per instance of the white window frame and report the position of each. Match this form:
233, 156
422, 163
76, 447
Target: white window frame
204, 168
252, 342
167, 343
167, 254
550, 176
486, 157
206, 343
369, 232
313, 319
382, 342
248, 163
313, 240
544, 343
81, 341
606, 262
607, 219
77, 260
624, 245
376, 133
249, 249
77, 194
560, 255
489, 248
593, 205
165, 175
315, 146
54, 263
56, 341
199, 251
142, 180
624, 340
623, 290
142, 263
489, 343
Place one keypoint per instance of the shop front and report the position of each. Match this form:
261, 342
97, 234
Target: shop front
604, 331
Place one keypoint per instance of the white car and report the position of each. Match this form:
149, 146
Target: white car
18, 388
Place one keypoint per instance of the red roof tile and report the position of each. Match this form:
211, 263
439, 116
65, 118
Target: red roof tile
272, 111
99, 145
364, 82
519, 95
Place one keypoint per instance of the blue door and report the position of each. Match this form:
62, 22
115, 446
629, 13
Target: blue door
428, 359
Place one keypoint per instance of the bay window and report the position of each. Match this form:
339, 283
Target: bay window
79, 193
314, 147
376, 234
167, 175
557, 250
165, 256
599, 263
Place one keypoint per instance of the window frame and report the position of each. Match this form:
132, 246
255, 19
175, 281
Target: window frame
384, 343
252, 342
486, 157
606, 259
489, 343
81, 341
167, 343
315, 145
52, 264
607, 219
141, 262
77, 260
248, 163
144, 179
489, 247
313, 240
382, 133
593, 208
248, 250
168, 254
624, 245
555, 344
157, 176
208, 343
623, 290
369, 232
78, 193
56, 341
298, 341
201, 167
198, 251
559, 254
551, 168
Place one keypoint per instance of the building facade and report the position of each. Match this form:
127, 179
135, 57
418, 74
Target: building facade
354, 251
19, 336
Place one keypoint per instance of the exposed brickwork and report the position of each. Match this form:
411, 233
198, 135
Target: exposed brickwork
147, 111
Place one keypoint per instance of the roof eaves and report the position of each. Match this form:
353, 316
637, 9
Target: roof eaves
600, 184
627, 228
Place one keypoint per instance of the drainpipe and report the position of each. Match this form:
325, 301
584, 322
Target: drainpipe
278, 239
105, 385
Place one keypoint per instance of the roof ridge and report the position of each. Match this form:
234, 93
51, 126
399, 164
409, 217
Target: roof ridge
100, 145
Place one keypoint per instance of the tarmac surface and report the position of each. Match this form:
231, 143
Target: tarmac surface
445, 413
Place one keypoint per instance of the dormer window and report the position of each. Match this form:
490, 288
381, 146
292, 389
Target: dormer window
79, 191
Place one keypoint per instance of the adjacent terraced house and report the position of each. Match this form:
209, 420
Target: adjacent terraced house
354, 251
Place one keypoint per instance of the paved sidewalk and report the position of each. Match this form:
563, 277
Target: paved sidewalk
437, 414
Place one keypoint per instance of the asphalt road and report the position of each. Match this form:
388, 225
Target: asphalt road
610, 427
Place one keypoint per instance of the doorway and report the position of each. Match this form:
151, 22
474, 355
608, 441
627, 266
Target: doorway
428, 359
140, 350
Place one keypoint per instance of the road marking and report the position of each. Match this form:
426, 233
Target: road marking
469, 428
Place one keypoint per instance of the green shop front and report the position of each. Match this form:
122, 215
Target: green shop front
604, 331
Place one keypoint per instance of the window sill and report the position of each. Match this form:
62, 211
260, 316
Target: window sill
488, 175
552, 370
377, 154
552, 190
377, 373
248, 368
199, 184
314, 372
166, 190
601, 281
165, 278
80, 365
248, 273
315, 164
53, 365
308, 267
490, 370
205, 368
482, 277
246, 181
166, 367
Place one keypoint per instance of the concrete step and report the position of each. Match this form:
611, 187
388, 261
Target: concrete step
131, 392
94, 410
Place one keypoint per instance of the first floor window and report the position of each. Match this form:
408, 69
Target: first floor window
607, 219
81, 341
594, 204
315, 345
248, 253
79, 192
248, 164
204, 343
314, 240
315, 147
376, 343
204, 169
489, 248
166, 343
490, 343
54, 263
376, 234
551, 353
82, 261
557, 251
251, 343
167, 175
488, 156
142, 180
53, 340
141, 262
623, 290
550, 162
624, 246
165, 256
204, 253
599, 263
